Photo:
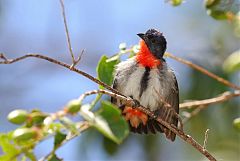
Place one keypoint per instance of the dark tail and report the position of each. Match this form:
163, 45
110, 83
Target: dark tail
152, 126
165, 113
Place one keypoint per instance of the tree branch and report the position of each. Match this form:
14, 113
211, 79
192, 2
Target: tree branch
202, 104
84, 126
188, 115
204, 71
39, 56
221, 98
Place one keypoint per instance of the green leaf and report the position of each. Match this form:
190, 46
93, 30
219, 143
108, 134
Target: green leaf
18, 116
55, 126
236, 123
222, 9
59, 138
110, 147
98, 122
36, 118
102, 126
24, 158
7, 146
111, 118
31, 155
217, 14
232, 63
86, 113
73, 106
25, 134
176, 2
107, 120
211, 3
113, 58
105, 69
55, 158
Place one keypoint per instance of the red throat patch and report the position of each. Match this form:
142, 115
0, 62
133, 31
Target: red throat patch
145, 57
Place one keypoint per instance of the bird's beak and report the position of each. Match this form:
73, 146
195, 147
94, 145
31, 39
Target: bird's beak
141, 35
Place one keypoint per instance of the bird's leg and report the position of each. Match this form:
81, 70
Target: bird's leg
136, 103
134, 116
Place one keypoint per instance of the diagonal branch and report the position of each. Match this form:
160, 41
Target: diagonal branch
181, 134
202, 104
49, 59
221, 98
188, 115
178, 132
204, 71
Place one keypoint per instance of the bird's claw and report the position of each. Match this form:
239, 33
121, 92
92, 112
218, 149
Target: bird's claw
136, 103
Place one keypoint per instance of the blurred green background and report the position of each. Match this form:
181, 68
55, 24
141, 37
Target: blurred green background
99, 27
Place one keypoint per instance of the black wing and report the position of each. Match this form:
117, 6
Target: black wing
168, 114
173, 100
114, 100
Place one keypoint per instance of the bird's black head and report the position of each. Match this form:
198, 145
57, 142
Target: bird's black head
155, 42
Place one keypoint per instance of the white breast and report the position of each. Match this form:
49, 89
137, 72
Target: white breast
159, 87
132, 86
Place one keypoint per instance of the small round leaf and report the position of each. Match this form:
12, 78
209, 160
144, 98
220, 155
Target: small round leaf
236, 123
73, 106
24, 134
18, 116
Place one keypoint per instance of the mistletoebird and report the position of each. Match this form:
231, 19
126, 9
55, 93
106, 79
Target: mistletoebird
148, 79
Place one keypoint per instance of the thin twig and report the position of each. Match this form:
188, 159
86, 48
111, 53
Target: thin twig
221, 98
126, 100
205, 140
67, 32
77, 60
2, 56
188, 116
204, 71
52, 117
202, 104
84, 126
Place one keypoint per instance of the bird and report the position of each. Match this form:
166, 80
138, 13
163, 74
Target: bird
148, 79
